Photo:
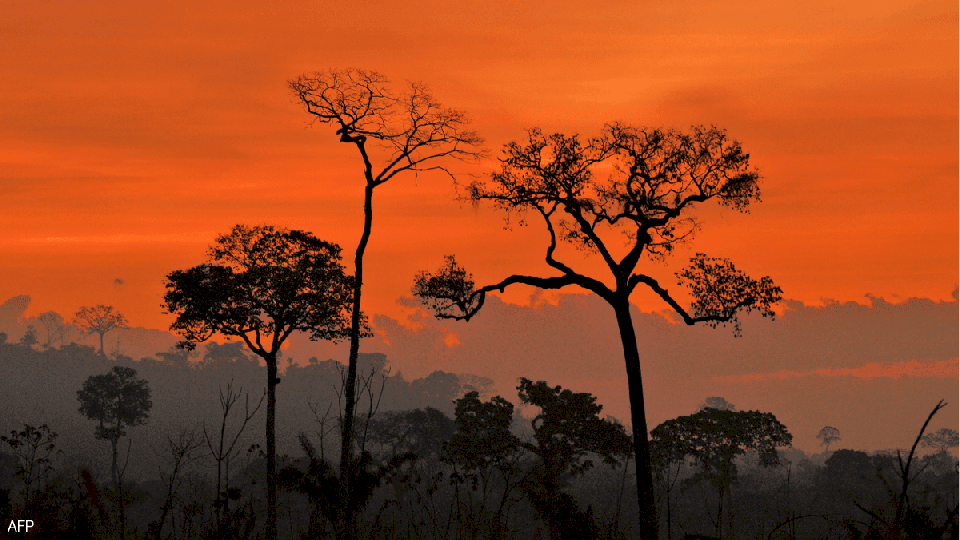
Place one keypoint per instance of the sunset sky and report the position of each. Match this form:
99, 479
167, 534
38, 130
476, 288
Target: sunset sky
132, 134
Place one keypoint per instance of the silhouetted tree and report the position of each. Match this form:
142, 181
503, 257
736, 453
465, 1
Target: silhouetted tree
224, 448
714, 438
99, 319
415, 133
663, 457
851, 473
828, 435
36, 450
29, 338
322, 487
178, 453
56, 329
262, 284
942, 440
908, 521
566, 432
651, 180
483, 443
421, 431
116, 400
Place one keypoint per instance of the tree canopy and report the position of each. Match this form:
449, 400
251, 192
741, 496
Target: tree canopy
116, 400
828, 435
568, 428
261, 285
99, 319
656, 178
624, 197
941, 440
566, 433
409, 124
717, 403
715, 437
483, 436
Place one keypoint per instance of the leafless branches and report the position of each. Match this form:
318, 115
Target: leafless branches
415, 134
410, 125
223, 448
178, 453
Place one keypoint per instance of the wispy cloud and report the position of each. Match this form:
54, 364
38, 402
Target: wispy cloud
941, 369
135, 239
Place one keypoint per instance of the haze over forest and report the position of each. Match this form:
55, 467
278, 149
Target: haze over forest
870, 370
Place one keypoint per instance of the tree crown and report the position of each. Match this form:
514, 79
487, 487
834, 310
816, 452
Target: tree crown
569, 426
632, 181
715, 437
99, 319
630, 185
261, 284
117, 400
410, 124
828, 435
941, 440
483, 434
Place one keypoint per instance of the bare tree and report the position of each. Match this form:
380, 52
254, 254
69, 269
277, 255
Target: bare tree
56, 329
99, 319
897, 525
412, 133
651, 181
178, 453
36, 451
224, 448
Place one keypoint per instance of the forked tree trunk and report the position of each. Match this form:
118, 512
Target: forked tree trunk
641, 445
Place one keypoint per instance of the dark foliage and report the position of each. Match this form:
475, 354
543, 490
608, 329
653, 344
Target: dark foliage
261, 285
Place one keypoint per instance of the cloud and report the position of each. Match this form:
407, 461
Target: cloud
839, 363
941, 369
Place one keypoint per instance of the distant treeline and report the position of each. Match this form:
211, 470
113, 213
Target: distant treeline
40, 387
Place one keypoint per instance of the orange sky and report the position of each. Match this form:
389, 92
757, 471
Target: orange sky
133, 133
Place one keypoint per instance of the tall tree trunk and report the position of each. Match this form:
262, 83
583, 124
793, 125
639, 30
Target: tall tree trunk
118, 492
271, 446
350, 390
641, 445
722, 513
113, 463
123, 513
